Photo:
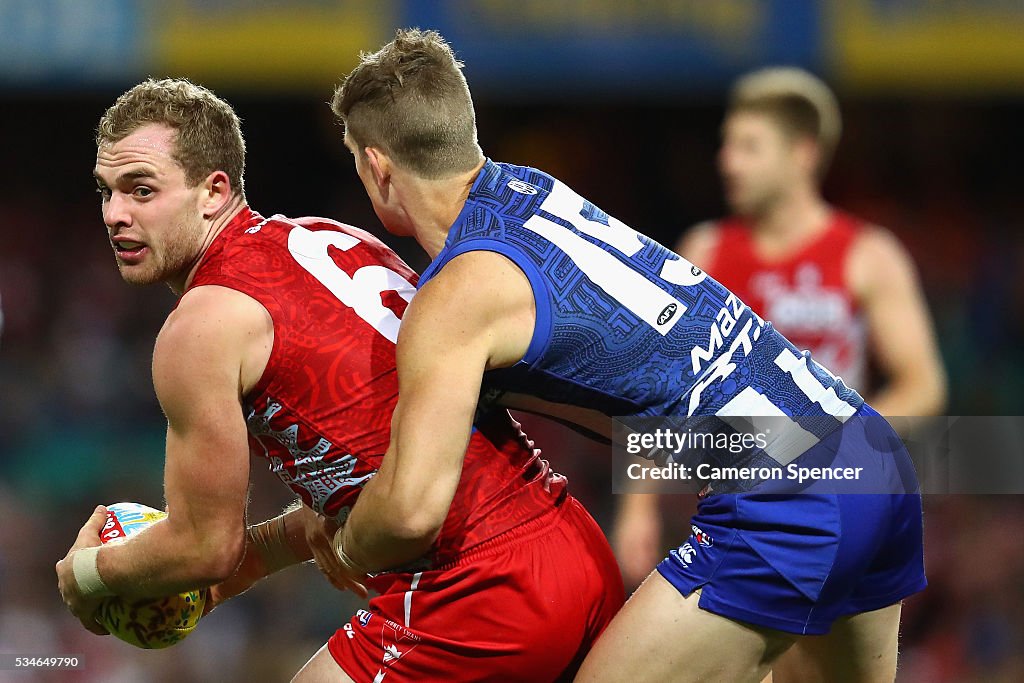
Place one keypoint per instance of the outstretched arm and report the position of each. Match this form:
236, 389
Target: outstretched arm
476, 314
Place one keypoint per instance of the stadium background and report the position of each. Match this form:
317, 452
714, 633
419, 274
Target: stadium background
620, 100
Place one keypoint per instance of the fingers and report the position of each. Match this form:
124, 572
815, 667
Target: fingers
89, 534
344, 582
319, 536
93, 626
330, 566
356, 587
213, 599
84, 610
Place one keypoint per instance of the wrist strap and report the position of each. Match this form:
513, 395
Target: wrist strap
271, 542
87, 573
344, 558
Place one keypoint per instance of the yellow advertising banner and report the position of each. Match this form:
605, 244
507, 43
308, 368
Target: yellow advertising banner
272, 44
948, 46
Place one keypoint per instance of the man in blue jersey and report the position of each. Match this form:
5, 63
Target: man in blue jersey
536, 292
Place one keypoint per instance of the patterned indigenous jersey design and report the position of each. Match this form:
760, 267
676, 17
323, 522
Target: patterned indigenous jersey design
805, 295
626, 326
321, 413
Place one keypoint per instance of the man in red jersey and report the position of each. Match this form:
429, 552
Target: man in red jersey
283, 340
831, 283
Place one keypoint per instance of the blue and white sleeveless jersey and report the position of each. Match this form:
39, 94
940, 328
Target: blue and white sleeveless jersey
626, 326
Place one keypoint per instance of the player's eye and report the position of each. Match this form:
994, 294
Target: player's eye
104, 192
142, 192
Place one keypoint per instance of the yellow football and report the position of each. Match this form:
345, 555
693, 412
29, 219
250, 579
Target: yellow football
150, 623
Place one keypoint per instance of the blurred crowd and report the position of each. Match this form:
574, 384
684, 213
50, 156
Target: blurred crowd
79, 424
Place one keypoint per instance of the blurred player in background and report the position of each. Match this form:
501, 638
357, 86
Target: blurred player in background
283, 341
832, 284
536, 291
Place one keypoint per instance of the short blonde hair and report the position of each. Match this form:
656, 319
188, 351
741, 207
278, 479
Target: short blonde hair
411, 99
209, 135
799, 101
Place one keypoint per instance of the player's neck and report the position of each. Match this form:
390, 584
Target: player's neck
217, 224
432, 206
796, 217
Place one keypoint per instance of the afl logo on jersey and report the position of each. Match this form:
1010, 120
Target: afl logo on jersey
667, 313
521, 187
695, 271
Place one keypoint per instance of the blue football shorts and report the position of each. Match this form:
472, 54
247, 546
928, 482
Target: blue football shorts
796, 562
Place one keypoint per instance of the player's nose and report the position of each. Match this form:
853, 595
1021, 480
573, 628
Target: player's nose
116, 212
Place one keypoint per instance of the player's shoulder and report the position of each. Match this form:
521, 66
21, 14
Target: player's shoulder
209, 313
699, 242
513, 190
321, 223
876, 259
476, 285
705, 230
316, 237
211, 325
475, 271
270, 230
872, 241
540, 180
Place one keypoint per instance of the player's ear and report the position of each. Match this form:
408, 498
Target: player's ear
380, 164
216, 193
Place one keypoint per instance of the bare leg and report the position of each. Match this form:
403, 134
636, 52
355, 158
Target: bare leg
860, 648
321, 668
662, 636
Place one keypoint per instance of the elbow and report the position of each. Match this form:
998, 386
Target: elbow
221, 555
416, 528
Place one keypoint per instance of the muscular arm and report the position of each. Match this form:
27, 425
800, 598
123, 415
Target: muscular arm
900, 332
476, 314
207, 351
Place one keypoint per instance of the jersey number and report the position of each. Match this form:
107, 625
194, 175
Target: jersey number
628, 286
360, 292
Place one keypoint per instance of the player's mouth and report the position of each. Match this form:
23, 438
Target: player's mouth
129, 251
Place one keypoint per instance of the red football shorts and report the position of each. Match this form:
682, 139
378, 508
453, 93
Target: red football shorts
525, 606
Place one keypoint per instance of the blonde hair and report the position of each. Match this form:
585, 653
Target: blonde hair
798, 101
209, 135
411, 100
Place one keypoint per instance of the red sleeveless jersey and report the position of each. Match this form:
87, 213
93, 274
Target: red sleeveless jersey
321, 413
805, 295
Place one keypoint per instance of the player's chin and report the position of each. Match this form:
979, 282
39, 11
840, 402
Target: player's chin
744, 204
138, 274
736, 199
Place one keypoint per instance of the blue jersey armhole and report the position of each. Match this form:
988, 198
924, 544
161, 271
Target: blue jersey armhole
542, 325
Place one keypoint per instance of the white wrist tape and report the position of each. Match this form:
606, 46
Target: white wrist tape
87, 573
271, 541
